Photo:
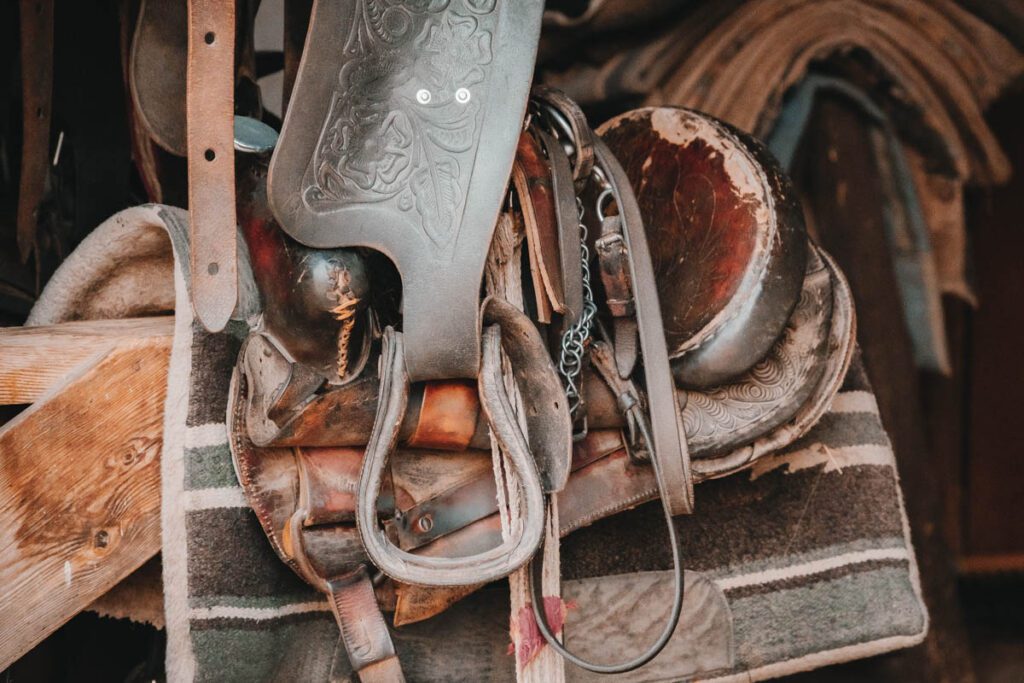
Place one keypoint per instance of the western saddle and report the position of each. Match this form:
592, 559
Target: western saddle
417, 411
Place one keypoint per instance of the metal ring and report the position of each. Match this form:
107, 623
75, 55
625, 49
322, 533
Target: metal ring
601, 201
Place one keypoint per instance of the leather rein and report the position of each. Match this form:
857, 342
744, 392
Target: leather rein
592, 161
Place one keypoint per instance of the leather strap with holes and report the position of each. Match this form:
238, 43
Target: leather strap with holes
211, 165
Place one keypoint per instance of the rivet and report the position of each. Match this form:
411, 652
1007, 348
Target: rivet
423, 96
425, 523
462, 95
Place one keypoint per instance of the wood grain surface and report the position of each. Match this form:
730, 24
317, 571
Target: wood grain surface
34, 359
79, 476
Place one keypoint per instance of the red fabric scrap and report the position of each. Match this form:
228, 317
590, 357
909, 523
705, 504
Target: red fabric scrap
527, 641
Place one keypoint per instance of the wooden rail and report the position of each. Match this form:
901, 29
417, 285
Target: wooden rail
79, 468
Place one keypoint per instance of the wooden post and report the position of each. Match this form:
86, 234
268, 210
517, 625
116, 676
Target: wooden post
841, 188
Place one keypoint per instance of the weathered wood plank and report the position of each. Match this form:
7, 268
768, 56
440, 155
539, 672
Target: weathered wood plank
34, 359
80, 490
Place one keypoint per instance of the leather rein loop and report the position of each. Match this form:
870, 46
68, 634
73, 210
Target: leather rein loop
675, 490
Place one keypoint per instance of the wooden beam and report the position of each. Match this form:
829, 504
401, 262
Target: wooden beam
34, 359
79, 472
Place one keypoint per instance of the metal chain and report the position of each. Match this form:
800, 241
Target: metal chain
576, 338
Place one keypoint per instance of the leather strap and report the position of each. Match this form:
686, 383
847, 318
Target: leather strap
574, 123
618, 287
667, 437
36, 110
364, 633
211, 160
568, 221
531, 177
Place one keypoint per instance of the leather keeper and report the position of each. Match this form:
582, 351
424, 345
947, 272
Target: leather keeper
614, 261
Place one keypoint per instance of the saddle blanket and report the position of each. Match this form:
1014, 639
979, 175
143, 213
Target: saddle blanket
803, 561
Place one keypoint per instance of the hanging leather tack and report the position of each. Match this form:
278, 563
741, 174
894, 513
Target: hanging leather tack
211, 161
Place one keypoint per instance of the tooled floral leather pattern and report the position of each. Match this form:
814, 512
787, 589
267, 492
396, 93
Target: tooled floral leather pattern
404, 118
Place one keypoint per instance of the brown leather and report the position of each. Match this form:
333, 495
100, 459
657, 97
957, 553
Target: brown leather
579, 130
548, 440
531, 177
568, 227
666, 426
605, 478
364, 632
614, 261
448, 416
211, 167
726, 233
613, 258
435, 529
36, 18
328, 478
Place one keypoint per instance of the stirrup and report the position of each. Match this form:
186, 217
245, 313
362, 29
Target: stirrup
422, 570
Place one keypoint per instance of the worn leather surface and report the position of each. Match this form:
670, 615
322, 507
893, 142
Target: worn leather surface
728, 237
414, 165
364, 632
438, 541
210, 96
488, 564
703, 640
604, 480
532, 179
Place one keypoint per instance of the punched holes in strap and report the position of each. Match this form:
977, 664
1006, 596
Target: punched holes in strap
211, 167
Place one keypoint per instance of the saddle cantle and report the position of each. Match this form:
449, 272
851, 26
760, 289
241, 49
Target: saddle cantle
619, 314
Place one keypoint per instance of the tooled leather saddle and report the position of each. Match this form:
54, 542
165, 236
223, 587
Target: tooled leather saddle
484, 324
